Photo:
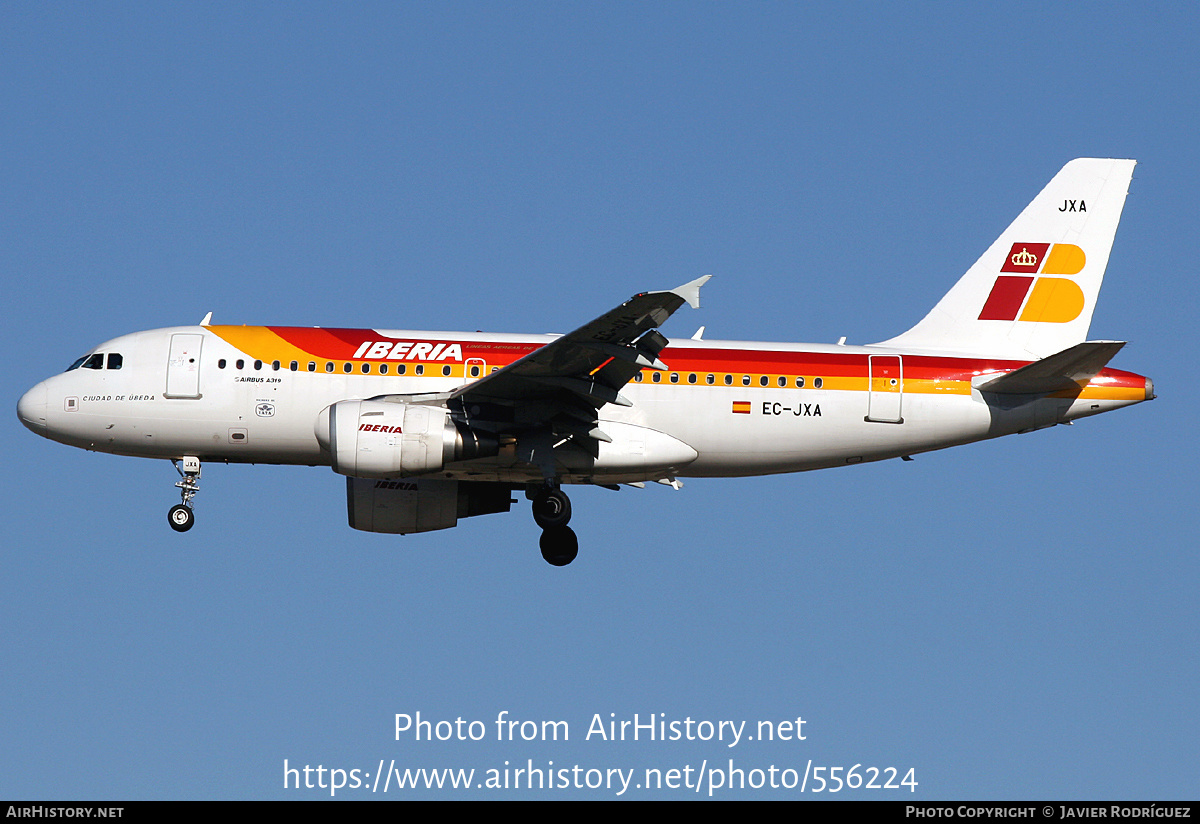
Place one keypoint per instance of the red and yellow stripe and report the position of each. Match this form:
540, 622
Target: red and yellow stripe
848, 372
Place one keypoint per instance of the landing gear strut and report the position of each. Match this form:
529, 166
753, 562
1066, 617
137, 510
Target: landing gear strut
552, 512
180, 516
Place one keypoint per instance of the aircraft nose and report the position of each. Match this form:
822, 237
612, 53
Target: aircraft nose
31, 409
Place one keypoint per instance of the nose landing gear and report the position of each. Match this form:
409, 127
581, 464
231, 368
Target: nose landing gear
552, 512
180, 516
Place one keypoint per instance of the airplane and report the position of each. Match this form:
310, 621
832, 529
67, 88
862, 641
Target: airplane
432, 427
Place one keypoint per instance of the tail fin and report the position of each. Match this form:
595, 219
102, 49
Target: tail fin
1032, 292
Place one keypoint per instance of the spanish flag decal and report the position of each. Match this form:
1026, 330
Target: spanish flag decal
741, 407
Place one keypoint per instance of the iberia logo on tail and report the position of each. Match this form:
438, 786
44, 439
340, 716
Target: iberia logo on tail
1052, 299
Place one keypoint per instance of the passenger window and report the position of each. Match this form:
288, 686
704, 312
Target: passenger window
328, 366
312, 366
692, 377
257, 365
817, 383
656, 377
674, 377
764, 380
446, 371
710, 380
636, 378
294, 366
782, 380
221, 363
115, 360
745, 380
275, 365
383, 368
729, 380
240, 364
799, 383
366, 367
347, 367
420, 370
401, 369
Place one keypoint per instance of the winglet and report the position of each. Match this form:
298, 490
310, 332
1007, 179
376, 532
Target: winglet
207, 319
690, 291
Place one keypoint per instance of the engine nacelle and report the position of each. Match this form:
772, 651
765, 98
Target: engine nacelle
421, 504
380, 439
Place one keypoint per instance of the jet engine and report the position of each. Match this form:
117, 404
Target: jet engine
393, 439
420, 505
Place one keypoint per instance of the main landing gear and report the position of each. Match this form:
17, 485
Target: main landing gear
180, 516
552, 511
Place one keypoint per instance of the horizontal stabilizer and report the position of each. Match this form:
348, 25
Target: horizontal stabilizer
1069, 369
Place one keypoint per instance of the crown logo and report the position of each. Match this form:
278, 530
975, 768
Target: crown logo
1024, 258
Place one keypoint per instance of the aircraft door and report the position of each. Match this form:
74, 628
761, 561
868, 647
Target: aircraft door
885, 388
183, 366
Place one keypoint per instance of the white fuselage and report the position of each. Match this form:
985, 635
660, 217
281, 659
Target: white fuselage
744, 408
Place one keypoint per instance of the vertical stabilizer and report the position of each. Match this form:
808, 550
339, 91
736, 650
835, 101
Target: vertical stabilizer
1032, 292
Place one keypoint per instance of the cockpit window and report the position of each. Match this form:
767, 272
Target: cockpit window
96, 361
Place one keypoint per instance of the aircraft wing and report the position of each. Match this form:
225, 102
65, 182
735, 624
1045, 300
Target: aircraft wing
565, 382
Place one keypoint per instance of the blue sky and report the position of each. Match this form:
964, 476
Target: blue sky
1014, 619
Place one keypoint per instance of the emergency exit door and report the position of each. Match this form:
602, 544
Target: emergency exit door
885, 388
